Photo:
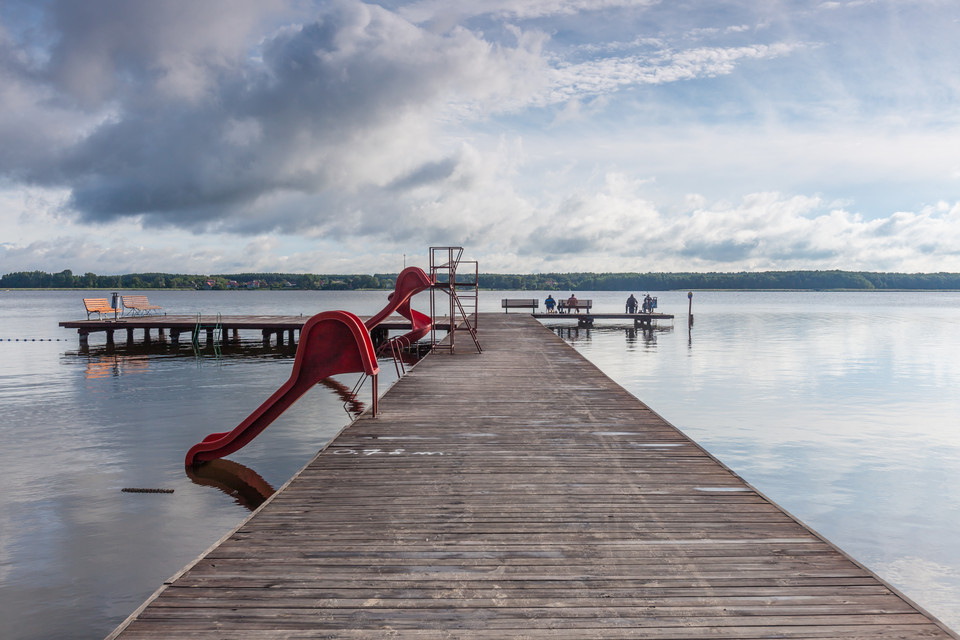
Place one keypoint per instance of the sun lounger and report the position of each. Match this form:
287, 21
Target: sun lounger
98, 306
138, 305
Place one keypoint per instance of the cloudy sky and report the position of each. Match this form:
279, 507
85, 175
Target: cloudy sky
542, 135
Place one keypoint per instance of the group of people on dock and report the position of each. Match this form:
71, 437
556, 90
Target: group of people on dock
571, 303
647, 307
564, 306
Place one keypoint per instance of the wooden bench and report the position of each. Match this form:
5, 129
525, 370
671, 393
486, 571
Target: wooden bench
98, 306
581, 304
519, 303
138, 305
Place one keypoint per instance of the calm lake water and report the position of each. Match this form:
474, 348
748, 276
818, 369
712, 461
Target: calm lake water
841, 407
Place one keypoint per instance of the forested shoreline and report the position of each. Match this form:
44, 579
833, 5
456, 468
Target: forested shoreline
760, 280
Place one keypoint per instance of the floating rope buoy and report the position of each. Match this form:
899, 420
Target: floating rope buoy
133, 490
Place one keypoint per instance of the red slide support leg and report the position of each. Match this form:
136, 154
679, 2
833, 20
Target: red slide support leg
331, 342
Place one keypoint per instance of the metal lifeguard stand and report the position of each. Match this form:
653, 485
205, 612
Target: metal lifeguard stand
460, 279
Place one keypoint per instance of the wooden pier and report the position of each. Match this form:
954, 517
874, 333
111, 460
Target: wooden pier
272, 328
520, 493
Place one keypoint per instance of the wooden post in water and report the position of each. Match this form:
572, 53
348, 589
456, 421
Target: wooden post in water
690, 309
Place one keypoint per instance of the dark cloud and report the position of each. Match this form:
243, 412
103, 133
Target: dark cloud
191, 125
428, 173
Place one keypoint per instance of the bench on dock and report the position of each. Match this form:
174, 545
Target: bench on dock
139, 305
98, 306
581, 304
519, 303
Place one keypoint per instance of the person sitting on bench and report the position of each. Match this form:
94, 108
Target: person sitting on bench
549, 303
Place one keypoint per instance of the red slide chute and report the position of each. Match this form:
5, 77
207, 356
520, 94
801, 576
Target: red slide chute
411, 281
331, 342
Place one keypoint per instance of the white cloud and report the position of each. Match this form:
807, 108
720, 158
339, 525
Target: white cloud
446, 11
609, 74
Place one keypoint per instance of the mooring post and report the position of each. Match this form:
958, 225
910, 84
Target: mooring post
690, 309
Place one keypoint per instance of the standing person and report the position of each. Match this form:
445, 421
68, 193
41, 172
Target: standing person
572, 303
631, 304
549, 303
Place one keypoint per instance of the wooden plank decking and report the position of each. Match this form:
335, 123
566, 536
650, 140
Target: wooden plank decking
520, 493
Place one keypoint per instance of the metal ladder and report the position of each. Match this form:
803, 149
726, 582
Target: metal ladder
463, 291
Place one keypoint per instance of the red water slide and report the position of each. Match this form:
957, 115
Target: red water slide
411, 280
419, 321
331, 342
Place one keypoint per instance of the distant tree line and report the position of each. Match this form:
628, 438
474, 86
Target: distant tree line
768, 280
68, 280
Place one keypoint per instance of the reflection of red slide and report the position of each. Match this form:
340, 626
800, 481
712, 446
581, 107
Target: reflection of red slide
331, 342
243, 484
411, 280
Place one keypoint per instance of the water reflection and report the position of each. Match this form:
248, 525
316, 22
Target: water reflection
573, 334
243, 484
244, 348
115, 365
351, 403
634, 337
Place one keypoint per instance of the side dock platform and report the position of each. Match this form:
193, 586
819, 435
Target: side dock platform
229, 327
521, 493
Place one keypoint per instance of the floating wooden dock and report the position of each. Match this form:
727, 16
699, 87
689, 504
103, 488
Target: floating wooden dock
271, 328
520, 493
